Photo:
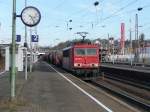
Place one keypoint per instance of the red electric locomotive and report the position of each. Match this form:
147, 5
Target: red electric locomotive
82, 59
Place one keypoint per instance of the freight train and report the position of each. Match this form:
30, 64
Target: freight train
82, 59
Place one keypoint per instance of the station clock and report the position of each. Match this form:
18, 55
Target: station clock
30, 16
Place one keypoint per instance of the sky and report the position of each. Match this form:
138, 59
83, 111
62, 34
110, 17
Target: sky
98, 21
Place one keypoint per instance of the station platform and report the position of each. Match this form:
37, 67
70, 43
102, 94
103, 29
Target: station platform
143, 69
51, 89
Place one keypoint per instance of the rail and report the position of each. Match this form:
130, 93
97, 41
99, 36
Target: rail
110, 76
124, 95
127, 63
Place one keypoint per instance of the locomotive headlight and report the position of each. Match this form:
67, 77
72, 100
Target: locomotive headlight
75, 64
96, 65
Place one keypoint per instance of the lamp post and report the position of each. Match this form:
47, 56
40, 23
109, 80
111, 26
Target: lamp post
136, 34
96, 4
36, 17
13, 52
31, 47
131, 61
25, 45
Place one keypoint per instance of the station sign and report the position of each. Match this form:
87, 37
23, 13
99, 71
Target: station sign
35, 38
18, 38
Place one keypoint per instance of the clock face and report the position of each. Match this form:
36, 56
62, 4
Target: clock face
30, 16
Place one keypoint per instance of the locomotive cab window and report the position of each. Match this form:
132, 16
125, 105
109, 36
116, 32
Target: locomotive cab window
91, 51
79, 51
87, 51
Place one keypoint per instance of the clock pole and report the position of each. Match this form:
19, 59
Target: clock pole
13, 53
31, 55
26, 49
13, 45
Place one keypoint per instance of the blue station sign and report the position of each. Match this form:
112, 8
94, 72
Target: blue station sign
18, 38
34, 38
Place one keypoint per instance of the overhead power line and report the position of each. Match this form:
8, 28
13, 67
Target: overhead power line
85, 10
116, 12
60, 4
133, 10
119, 10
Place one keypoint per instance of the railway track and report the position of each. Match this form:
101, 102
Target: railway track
137, 78
130, 82
129, 64
124, 91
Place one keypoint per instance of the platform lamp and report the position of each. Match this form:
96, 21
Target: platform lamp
139, 9
136, 32
26, 48
13, 52
96, 4
130, 35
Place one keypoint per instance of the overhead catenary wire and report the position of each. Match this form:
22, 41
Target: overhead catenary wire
103, 19
60, 4
129, 11
85, 11
116, 12
76, 13
120, 9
